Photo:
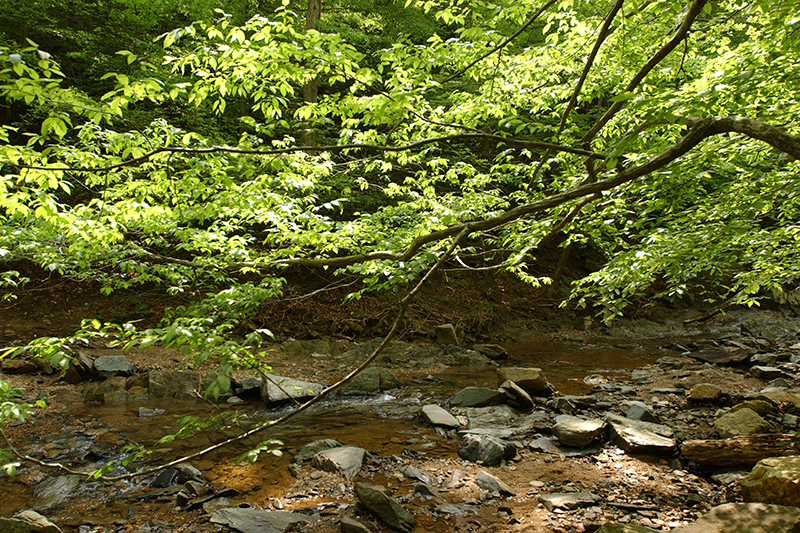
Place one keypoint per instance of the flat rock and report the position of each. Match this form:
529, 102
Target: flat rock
568, 500
437, 416
415, 473
385, 508
477, 397
775, 480
767, 372
348, 525
54, 491
761, 407
486, 449
635, 436
721, 357
346, 461
531, 380
791, 396
516, 396
641, 411
28, 522
371, 381
553, 446
255, 521
705, 392
276, 389
577, 432
741, 422
113, 365
490, 483
745, 518
494, 352
173, 384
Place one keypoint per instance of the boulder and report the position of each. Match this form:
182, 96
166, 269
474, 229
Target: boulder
775, 480
255, 521
705, 392
276, 389
490, 483
741, 422
385, 508
495, 352
516, 396
477, 397
110, 366
577, 432
745, 518
531, 380
371, 381
346, 461
437, 416
28, 522
173, 384
568, 500
485, 449
446, 334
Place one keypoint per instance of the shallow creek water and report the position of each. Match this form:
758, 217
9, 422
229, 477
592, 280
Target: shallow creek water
385, 424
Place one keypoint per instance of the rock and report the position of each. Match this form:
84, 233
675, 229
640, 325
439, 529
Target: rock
311, 449
745, 518
187, 472
670, 362
248, 387
577, 432
346, 461
18, 366
144, 412
568, 500
371, 381
497, 416
741, 422
705, 392
425, 489
616, 527
485, 449
765, 359
348, 525
477, 397
767, 372
791, 396
415, 473
437, 416
490, 483
385, 508
276, 389
108, 390
173, 384
54, 491
721, 357
775, 480
255, 521
642, 411
516, 396
531, 380
761, 407
635, 436
28, 522
446, 334
110, 366
495, 352
165, 478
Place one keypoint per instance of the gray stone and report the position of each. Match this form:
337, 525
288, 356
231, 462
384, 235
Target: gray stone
446, 334
54, 491
348, 525
485, 449
248, 385
635, 436
746, 518
616, 527
568, 500
144, 412
767, 372
187, 472
765, 359
705, 392
477, 397
490, 483
311, 449
173, 384
437, 416
774, 480
275, 389
255, 521
494, 352
113, 365
516, 396
346, 461
415, 473
531, 380
577, 432
658, 429
28, 522
371, 381
642, 411
721, 357
385, 508
741, 422
497, 416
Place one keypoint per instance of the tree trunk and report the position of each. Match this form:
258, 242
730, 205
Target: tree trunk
744, 450
310, 89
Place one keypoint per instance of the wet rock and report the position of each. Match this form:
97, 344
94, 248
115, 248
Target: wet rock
516, 396
642, 411
371, 381
385, 508
277, 389
705, 392
415, 473
348, 525
255, 521
311, 449
495, 352
173, 384
165, 478
346, 461
485, 449
437, 416
577, 432
746, 518
568, 500
446, 334
741, 422
144, 412
28, 522
113, 365
767, 372
775, 480
490, 483
616, 527
110, 389
477, 397
635, 436
54, 491
531, 380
